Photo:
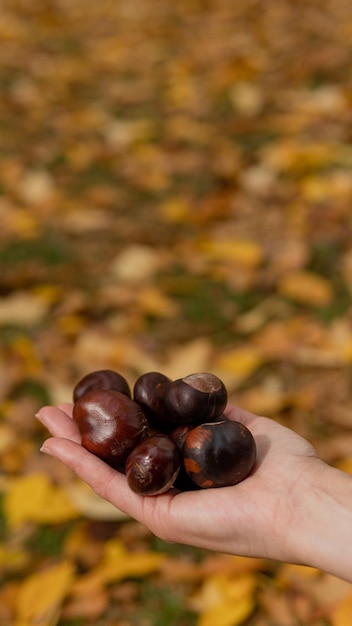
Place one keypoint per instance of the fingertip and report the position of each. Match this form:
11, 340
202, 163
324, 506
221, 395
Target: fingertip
45, 448
236, 413
66, 407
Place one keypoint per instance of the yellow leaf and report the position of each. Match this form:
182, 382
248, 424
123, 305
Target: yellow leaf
34, 498
13, 559
263, 399
90, 505
242, 251
307, 288
195, 356
25, 349
237, 364
228, 613
176, 210
225, 600
341, 616
153, 302
41, 594
288, 155
118, 563
7, 436
24, 224
292, 572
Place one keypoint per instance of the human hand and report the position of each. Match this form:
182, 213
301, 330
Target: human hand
257, 517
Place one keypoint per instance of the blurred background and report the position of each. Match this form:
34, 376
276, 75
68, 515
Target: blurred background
175, 195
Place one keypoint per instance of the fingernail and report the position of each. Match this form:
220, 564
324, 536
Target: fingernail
45, 450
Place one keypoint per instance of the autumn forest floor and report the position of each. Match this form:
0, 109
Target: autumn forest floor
175, 195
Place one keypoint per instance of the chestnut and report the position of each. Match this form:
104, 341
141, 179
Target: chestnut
149, 392
153, 465
183, 481
179, 434
101, 379
219, 454
195, 399
110, 423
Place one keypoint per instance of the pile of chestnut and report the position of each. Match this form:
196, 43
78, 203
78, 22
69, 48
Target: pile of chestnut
165, 432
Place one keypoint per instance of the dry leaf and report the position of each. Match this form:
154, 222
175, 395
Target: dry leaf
89, 606
118, 563
228, 613
137, 263
36, 186
34, 498
90, 505
234, 366
345, 465
23, 308
151, 301
40, 595
176, 210
277, 606
223, 600
242, 252
247, 98
192, 357
307, 288
341, 615
266, 399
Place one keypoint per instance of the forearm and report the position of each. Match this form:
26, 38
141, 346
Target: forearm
321, 534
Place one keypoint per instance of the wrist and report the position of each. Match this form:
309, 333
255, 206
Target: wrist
322, 513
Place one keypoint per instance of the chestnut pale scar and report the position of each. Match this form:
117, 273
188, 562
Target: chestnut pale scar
192, 466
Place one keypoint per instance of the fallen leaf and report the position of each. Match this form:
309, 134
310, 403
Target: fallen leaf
90, 505
341, 615
89, 606
136, 263
118, 563
152, 301
194, 356
345, 465
224, 600
234, 366
307, 288
23, 308
228, 613
242, 251
37, 186
34, 498
40, 596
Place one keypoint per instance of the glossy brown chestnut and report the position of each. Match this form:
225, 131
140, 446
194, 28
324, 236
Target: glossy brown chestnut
149, 392
219, 454
153, 465
101, 379
183, 481
179, 434
195, 399
110, 423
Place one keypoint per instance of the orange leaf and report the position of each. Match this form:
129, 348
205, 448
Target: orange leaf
341, 616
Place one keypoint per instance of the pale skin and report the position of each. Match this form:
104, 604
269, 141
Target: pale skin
292, 508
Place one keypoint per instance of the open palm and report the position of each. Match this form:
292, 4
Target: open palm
251, 518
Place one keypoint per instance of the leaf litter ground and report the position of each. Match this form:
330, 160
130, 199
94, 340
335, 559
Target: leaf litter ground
175, 192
